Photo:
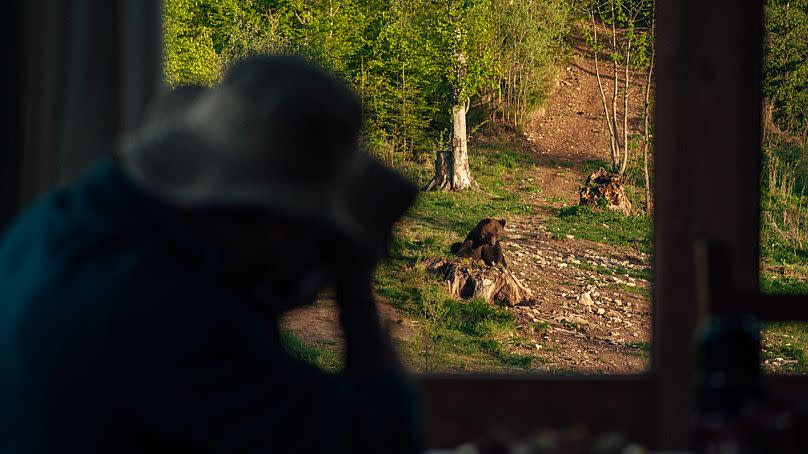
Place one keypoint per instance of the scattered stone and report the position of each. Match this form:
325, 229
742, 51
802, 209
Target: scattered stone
585, 299
576, 319
601, 311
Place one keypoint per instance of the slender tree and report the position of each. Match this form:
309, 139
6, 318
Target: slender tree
625, 24
461, 39
647, 137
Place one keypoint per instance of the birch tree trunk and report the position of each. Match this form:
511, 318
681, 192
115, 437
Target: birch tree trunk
624, 165
452, 170
461, 174
612, 133
649, 202
615, 90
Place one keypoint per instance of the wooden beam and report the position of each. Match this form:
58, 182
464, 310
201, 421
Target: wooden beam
463, 408
782, 308
707, 174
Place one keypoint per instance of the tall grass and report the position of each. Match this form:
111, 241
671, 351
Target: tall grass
784, 203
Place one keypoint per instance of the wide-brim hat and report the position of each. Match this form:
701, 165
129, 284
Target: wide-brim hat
278, 135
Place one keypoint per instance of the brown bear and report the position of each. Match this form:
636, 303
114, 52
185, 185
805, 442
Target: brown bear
482, 243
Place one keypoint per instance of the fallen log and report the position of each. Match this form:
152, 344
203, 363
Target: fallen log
467, 280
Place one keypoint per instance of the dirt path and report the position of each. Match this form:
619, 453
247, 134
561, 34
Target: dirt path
599, 316
319, 325
590, 315
590, 318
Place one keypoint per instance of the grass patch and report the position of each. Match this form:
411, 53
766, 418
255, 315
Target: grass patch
540, 327
636, 290
456, 335
469, 330
602, 226
591, 165
785, 340
438, 219
518, 360
646, 346
788, 341
770, 283
312, 354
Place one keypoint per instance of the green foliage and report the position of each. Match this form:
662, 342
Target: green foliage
784, 205
784, 180
190, 56
202, 37
632, 20
530, 41
786, 62
409, 60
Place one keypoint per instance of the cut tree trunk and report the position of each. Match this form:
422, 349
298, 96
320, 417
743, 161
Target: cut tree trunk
605, 189
494, 284
452, 171
442, 180
461, 173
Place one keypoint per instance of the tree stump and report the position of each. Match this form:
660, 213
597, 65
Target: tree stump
465, 280
605, 189
442, 180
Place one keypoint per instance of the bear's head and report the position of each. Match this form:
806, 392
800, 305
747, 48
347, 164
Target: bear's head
491, 230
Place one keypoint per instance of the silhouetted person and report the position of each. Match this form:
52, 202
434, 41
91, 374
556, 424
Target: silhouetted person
139, 306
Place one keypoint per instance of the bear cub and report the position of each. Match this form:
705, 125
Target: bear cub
482, 243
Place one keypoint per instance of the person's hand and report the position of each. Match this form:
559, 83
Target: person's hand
368, 347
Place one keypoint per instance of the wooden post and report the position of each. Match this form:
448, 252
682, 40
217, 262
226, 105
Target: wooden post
707, 175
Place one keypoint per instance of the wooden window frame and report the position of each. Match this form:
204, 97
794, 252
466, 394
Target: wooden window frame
707, 146
707, 174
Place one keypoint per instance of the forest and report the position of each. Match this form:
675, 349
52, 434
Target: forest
502, 108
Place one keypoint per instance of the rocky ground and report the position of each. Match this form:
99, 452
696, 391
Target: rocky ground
591, 314
587, 317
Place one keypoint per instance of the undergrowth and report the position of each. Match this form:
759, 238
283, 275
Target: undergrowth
318, 356
602, 226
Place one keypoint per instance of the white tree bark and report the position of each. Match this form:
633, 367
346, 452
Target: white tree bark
649, 203
452, 170
461, 174
626, 94
612, 133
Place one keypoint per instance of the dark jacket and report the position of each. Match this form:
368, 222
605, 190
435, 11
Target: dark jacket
116, 336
